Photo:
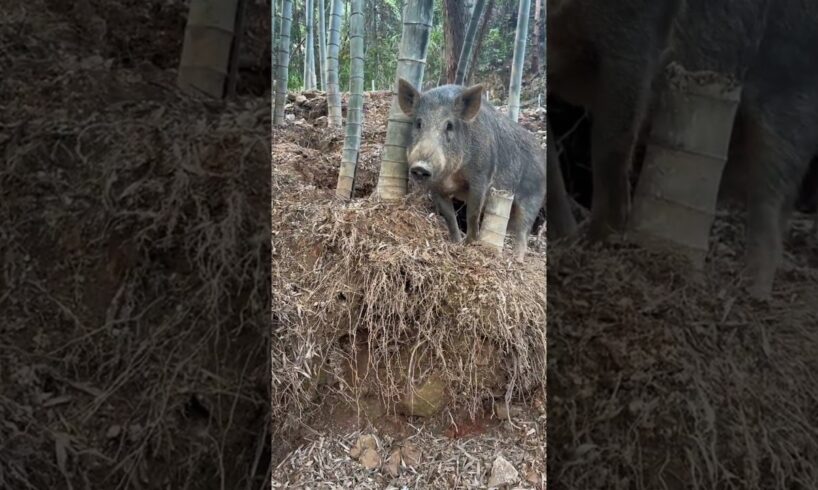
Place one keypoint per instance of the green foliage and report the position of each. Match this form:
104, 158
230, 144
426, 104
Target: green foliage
496, 51
435, 54
383, 34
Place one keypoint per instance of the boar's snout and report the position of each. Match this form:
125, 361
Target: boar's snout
421, 171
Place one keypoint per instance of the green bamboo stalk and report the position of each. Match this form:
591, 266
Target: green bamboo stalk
394, 174
309, 45
273, 27
464, 62
333, 90
207, 46
537, 62
355, 115
519, 60
283, 63
322, 43
274, 40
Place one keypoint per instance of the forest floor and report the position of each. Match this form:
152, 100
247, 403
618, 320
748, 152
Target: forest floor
130, 356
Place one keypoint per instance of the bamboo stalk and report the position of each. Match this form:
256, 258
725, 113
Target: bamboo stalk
394, 174
208, 41
495, 218
519, 60
273, 40
322, 44
464, 62
309, 48
334, 94
235, 50
283, 63
676, 196
537, 45
352, 141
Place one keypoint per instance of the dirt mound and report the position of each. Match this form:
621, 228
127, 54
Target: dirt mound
383, 278
310, 153
129, 243
670, 382
374, 304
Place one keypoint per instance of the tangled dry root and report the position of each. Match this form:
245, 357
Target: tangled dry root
658, 381
382, 279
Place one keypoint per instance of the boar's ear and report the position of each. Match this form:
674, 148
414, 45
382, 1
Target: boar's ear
468, 103
408, 96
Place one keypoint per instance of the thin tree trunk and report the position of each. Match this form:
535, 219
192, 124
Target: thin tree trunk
519, 60
322, 43
535, 59
394, 174
488, 11
334, 93
464, 62
355, 114
209, 37
453, 11
283, 61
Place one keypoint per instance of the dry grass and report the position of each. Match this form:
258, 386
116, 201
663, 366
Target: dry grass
383, 276
132, 261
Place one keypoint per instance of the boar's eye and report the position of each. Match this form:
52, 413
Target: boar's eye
449, 126
417, 123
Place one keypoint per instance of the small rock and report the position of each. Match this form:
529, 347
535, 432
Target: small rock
113, 432
532, 476
135, 432
290, 117
370, 459
393, 463
290, 97
410, 454
503, 410
366, 441
300, 99
502, 473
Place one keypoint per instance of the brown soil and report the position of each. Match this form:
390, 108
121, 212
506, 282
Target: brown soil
131, 355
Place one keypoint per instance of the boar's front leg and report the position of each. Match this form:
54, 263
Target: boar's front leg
446, 209
478, 191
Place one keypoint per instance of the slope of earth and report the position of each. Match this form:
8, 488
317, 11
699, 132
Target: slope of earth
660, 379
128, 240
